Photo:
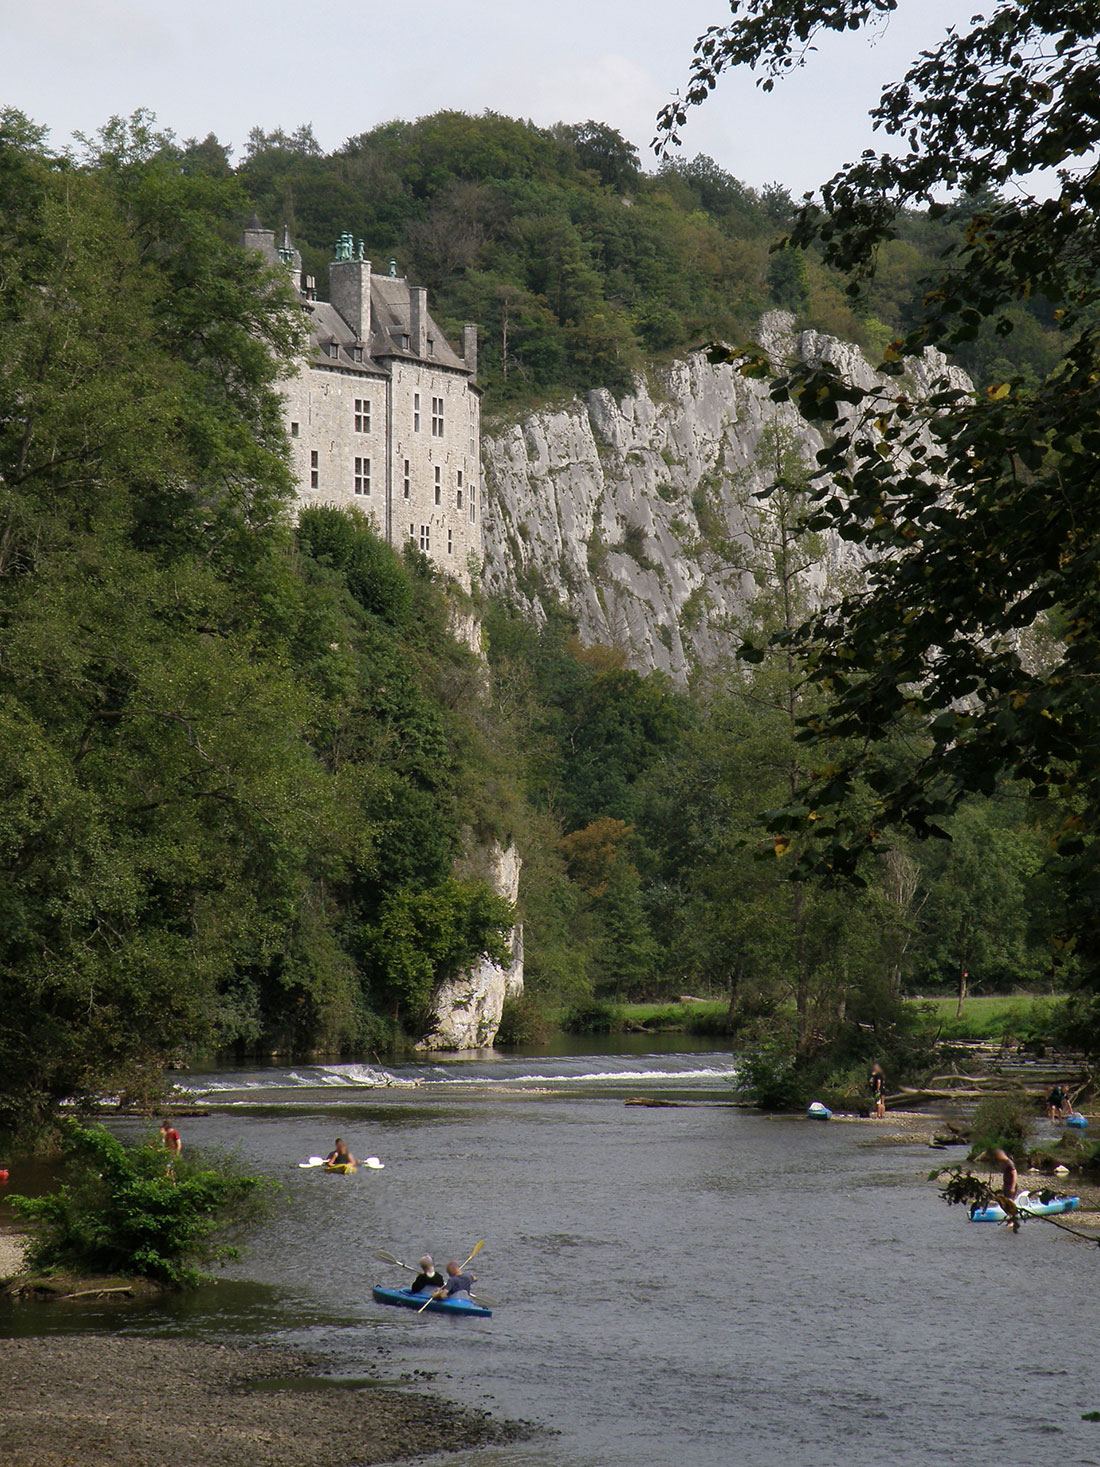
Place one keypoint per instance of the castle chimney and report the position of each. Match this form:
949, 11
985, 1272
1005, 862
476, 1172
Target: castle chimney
469, 347
349, 292
418, 319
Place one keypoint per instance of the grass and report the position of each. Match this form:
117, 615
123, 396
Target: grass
991, 1016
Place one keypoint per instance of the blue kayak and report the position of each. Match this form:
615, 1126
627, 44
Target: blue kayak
406, 1299
1078, 1120
1029, 1207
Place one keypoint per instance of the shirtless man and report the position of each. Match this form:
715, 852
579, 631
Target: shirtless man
1009, 1180
171, 1138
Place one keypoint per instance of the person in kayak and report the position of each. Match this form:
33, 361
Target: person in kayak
429, 1277
457, 1282
878, 1090
340, 1155
1009, 1180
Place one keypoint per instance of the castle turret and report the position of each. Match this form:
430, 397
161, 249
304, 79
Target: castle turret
349, 286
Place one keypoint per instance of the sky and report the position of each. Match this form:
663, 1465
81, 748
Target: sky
225, 66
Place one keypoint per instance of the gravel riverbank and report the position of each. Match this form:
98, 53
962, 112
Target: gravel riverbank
104, 1401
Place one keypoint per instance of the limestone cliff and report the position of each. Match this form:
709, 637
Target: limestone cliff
620, 508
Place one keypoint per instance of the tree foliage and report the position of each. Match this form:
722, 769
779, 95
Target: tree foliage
977, 513
133, 1211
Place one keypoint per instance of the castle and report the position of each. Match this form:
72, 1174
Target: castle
382, 413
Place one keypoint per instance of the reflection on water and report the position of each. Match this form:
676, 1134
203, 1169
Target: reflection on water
698, 1285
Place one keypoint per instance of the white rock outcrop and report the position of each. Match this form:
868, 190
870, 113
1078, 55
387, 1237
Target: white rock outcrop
467, 1008
624, 510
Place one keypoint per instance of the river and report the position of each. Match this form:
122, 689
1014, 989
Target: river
697, 1285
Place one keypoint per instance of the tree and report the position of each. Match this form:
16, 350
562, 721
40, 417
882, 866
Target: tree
979, 515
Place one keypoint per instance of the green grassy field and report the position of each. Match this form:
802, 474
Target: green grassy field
985, 1016
991, 1016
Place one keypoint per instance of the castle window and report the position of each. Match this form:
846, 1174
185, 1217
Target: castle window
362, 476
405, 342
357, 354
473, 507
425, 538
459, 499
294, 430
412, 532
407, 479
362, 414
450, 543
314, 472
416, 412
437, 417
431, 346
438, 486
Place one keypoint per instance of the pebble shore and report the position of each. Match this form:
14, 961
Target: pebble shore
108, 1401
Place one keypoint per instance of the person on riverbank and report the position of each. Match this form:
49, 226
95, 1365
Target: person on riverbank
340, 1155
171, 1139
878, 1090
1058, 1101
1010, 1181
457, 1282
429, 1276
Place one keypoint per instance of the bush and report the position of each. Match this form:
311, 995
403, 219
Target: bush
775, 1079
128, 1210
593, 1016
523, 1020
999, 1120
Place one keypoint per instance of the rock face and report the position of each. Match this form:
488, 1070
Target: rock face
625, 511
467, 1009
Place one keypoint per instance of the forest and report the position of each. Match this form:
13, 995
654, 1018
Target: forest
247, 771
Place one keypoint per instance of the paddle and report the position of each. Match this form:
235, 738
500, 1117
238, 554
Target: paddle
371, 1161
477, 1249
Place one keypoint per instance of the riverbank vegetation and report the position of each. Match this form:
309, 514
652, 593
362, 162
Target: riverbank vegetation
248, 774
126, 1211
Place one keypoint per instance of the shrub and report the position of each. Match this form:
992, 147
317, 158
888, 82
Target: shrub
126, 1210
593, 1016
523, 1020
999, 1120
774, 1079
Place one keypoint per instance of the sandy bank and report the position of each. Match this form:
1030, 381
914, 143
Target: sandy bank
112, 1402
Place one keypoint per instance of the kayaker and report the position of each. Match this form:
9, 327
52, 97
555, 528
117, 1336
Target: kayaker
340, 1155
878, 1090
457, 1282
1009, 1179
429, 1276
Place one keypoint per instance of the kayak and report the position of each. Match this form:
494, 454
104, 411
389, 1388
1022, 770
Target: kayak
406, 1299
819, 1112
1030, 1207
1078, 1120
346, 1167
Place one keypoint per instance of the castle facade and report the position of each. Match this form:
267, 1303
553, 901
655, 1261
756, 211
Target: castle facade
382, 412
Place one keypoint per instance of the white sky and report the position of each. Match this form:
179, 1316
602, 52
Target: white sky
224, 66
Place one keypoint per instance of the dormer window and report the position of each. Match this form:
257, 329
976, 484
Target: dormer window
405, 341
431, 346
357, 353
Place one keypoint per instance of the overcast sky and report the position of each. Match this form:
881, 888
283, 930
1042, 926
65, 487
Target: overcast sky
225, 66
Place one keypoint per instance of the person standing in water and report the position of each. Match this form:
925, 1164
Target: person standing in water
1010, 1181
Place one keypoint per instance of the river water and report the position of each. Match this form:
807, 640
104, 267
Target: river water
697, 1285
